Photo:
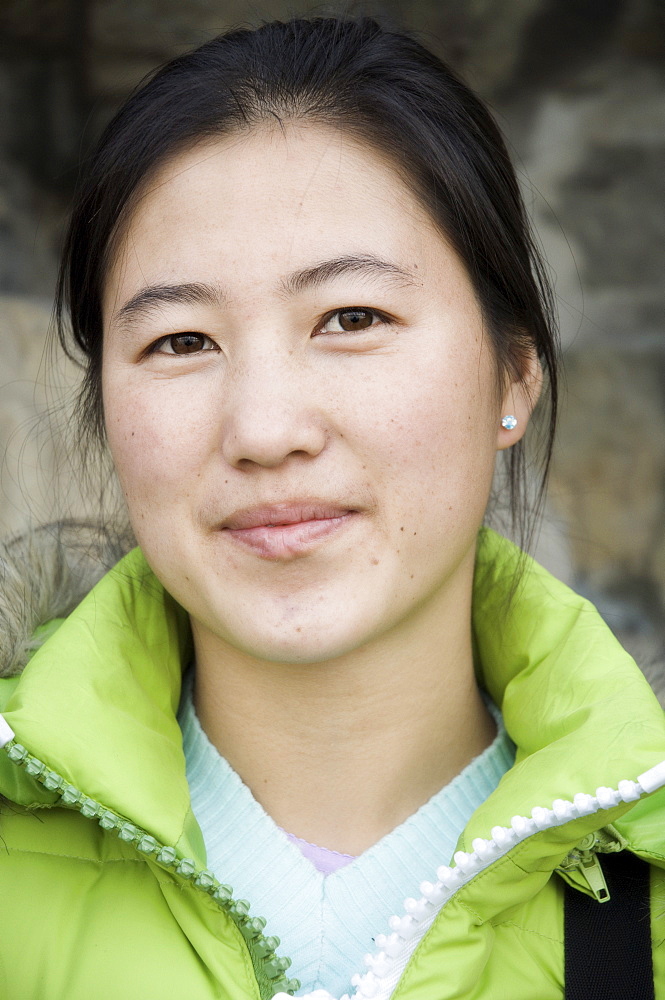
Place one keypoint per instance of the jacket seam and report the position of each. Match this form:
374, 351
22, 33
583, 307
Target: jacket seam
650, 854
528, 930
508, 859
463, 905
74, 857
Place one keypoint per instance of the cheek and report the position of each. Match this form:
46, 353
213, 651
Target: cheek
155, 447
441, 467
438, 432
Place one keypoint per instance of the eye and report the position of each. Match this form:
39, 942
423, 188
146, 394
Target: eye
185, 343
350, 320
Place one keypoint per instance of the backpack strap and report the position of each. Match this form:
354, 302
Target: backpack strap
608, 945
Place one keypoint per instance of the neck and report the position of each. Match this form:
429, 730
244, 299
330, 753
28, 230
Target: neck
340, 753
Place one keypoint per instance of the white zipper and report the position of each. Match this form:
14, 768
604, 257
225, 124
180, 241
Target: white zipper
6, 732
385, 966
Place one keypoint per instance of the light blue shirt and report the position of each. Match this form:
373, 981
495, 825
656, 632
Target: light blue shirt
326, 924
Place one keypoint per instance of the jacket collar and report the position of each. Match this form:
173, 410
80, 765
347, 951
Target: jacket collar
97, 702
577, 707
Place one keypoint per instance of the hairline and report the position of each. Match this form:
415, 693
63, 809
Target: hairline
344, 126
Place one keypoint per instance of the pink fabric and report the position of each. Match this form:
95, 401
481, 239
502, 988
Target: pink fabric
323, 859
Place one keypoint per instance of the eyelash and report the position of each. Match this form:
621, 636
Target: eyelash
156, 348
381, 317
350, 309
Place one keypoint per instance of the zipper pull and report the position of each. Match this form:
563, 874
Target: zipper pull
590, 867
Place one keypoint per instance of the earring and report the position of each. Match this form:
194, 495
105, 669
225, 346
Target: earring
509, 422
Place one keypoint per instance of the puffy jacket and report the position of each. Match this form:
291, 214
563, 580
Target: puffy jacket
104, 891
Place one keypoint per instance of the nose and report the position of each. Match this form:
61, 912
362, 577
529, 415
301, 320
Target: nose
271, 413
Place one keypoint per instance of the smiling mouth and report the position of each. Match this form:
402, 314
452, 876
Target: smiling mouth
286, 531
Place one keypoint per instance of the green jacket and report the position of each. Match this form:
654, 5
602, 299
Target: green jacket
104, 891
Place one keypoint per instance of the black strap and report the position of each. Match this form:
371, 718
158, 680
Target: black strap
608, 945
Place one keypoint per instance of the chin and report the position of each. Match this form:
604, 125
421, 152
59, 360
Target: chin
302, 622
297, 645
297, 638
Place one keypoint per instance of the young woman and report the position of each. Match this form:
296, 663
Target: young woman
301, 278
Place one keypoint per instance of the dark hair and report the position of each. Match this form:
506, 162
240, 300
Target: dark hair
354, 75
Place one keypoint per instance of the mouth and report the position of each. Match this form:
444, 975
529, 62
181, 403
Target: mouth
286, 530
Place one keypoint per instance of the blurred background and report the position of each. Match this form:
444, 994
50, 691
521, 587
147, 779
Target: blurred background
578, 87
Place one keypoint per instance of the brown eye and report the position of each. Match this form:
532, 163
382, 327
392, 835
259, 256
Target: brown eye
186, 343
355, 319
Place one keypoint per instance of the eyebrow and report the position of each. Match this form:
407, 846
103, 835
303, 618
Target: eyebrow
153, 296
198, 293
312, 277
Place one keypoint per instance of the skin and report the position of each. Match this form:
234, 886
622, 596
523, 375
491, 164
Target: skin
336, 677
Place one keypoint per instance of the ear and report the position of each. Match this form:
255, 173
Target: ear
519, 400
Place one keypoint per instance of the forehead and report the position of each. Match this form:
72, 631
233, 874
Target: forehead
253, 207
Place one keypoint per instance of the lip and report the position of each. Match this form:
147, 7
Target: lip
286, 530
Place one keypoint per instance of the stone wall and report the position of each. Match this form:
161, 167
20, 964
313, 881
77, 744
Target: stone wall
579, 89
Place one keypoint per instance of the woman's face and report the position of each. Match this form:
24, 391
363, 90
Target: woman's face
300, 396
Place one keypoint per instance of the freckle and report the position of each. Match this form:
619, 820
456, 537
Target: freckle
298, 630
375, 562
412, 576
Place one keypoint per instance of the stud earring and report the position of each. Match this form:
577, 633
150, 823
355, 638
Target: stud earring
509, 422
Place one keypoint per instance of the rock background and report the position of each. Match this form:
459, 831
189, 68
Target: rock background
579, 89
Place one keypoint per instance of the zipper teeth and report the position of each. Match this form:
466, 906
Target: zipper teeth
385, 966
166, 857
